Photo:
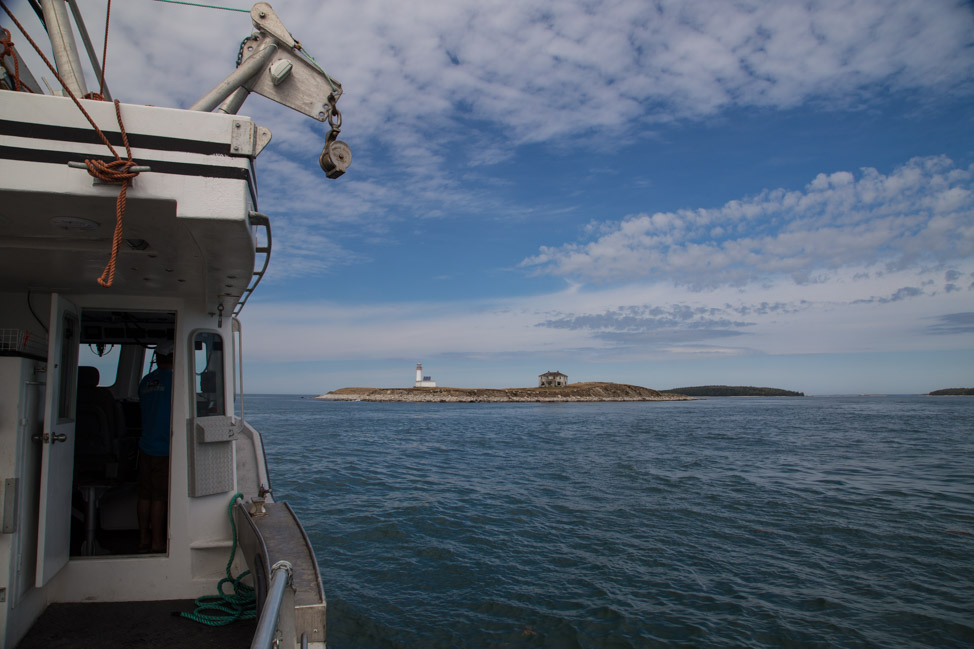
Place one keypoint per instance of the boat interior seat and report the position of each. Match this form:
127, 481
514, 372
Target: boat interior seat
99, 427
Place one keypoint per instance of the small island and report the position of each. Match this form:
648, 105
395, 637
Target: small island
733, 391
575, 392
953, 392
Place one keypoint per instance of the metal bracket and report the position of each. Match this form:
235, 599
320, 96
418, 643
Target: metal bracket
305, 88
266, 20
242, 136
217, 428
98, 181
263, 139
246, 138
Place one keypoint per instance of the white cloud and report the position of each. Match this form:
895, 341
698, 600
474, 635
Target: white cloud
853, 310
544, 68
435, 89
921, 213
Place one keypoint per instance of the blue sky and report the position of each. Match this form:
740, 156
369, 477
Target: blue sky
659, 193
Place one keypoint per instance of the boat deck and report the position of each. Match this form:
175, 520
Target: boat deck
134, 625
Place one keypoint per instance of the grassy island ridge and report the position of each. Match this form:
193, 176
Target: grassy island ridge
571, 393
953, 392
733, 391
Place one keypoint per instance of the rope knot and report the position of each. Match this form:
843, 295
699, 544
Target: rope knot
116, 171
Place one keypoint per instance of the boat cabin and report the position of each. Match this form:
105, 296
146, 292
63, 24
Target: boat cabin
181, 263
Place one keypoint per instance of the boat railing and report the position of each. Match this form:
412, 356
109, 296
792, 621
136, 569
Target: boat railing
278, 553
272, 631
257, 220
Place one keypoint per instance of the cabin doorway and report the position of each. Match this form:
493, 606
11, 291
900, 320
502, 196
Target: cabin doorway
116, 350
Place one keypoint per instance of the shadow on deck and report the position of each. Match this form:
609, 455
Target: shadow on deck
133, 625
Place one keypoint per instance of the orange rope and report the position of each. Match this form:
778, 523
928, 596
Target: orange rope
50, 66
116, 171
8, 50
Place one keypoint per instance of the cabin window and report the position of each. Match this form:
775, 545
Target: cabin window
208, 378
105, 359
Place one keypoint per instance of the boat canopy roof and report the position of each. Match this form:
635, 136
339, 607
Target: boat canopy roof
189, 228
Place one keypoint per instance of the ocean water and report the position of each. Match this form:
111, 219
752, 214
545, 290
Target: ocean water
740, 522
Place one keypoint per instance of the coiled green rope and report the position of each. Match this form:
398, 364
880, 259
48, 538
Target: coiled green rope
222, 609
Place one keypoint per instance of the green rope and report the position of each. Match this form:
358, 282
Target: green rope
300, 49
222, 609
196, 4
317, 67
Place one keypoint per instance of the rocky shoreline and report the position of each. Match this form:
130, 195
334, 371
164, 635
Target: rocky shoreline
578, 392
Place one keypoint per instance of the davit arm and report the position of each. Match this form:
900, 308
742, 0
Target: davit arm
272, 63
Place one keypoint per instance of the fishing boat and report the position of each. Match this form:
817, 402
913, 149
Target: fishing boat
130, 235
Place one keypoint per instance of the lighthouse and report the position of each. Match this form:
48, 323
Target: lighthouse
423, 381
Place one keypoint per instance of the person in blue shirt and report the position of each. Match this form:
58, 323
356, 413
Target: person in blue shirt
155, 399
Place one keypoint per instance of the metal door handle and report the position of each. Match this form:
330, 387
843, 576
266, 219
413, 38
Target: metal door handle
47, 437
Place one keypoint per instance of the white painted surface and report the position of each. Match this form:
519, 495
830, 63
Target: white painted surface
57, 459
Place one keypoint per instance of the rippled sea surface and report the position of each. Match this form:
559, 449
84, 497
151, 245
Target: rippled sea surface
741, 522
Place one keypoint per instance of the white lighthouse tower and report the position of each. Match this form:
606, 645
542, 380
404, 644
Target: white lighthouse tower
423, 381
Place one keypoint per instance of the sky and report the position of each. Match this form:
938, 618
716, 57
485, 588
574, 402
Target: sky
659, 193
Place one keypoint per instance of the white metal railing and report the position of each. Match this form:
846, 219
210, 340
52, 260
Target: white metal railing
269, 632
262, 221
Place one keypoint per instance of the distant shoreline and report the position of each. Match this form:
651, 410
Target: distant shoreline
953, 392
577, 392
733, 391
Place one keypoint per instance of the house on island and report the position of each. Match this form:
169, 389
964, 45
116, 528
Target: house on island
552, 380
423, 381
